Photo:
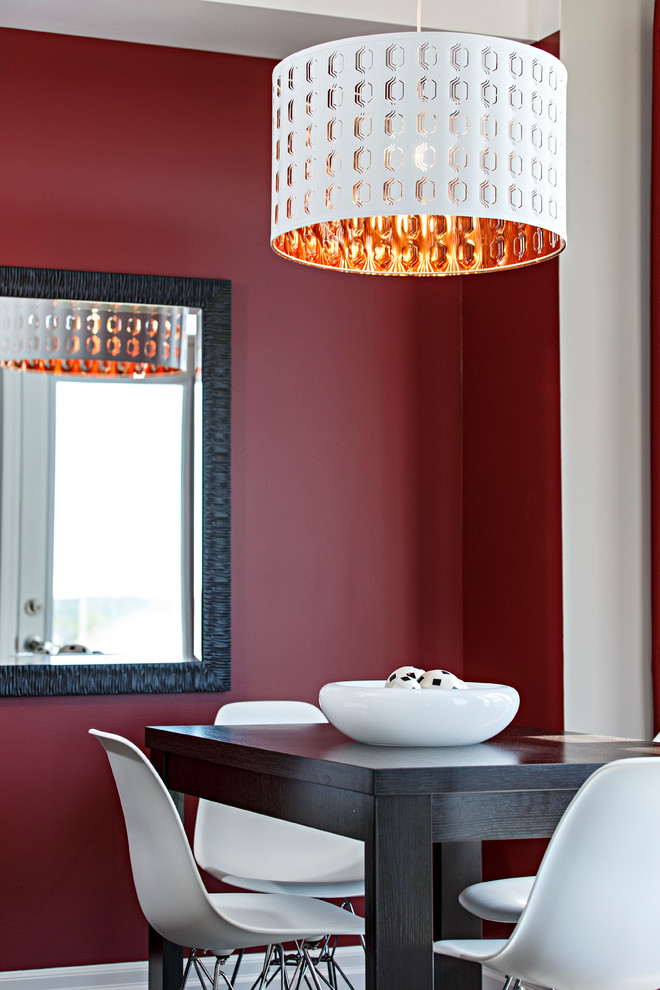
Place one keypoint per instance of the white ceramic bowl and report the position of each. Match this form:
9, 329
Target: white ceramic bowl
370, 713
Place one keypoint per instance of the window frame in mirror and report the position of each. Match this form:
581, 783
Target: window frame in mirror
211, 672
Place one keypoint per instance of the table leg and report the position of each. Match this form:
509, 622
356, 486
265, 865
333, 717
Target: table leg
455, 865
165, 963
165, 958
399, 894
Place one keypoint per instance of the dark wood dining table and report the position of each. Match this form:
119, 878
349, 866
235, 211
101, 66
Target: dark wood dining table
421, 812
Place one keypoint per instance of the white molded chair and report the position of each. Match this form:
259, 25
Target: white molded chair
256, 852
170, 889
591, 920
500, 900
269, 855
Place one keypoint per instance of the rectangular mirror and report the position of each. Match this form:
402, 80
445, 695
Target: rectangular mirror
115, 496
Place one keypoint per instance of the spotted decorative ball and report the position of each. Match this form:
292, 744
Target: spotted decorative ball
405, 677
443, 679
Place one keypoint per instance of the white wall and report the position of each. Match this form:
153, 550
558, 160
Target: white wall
604, 288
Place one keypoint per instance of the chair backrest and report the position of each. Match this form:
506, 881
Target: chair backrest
234, 842
167, 881
593, 916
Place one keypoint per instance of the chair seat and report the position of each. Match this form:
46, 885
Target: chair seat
281, 917
497, 900
474, 949
319, 888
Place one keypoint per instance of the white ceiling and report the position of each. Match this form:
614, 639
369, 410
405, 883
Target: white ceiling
273, 28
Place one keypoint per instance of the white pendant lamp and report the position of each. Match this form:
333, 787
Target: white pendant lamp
420, 153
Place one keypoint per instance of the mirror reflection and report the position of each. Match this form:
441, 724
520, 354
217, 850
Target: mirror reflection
100, 515
114, 419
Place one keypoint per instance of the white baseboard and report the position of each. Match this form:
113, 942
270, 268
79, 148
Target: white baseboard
133, 975
105, 976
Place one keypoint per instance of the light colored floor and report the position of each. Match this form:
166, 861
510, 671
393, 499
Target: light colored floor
133, 976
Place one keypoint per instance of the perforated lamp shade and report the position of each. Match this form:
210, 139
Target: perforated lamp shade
421, 153
92, 339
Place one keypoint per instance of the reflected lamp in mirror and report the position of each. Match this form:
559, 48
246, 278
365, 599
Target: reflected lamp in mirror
428, 153
115, 498
92, 339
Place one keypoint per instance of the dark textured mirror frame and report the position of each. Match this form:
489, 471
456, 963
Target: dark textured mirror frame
212, 672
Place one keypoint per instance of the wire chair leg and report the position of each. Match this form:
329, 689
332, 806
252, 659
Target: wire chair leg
304, 964
281, 957
186, 971
334, 969
275, 957
313, 972
330, 962
306, 968
318, 977
338, 971
239, 959
299, 962
207, 981
202, 973
279, 966
262, 979
348, 906
511, 983
217, 973
327, 955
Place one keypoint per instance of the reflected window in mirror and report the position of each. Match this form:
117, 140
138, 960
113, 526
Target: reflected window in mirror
115, 496
108, 468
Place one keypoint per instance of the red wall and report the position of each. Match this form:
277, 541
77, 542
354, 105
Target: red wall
512, 601
395, 449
